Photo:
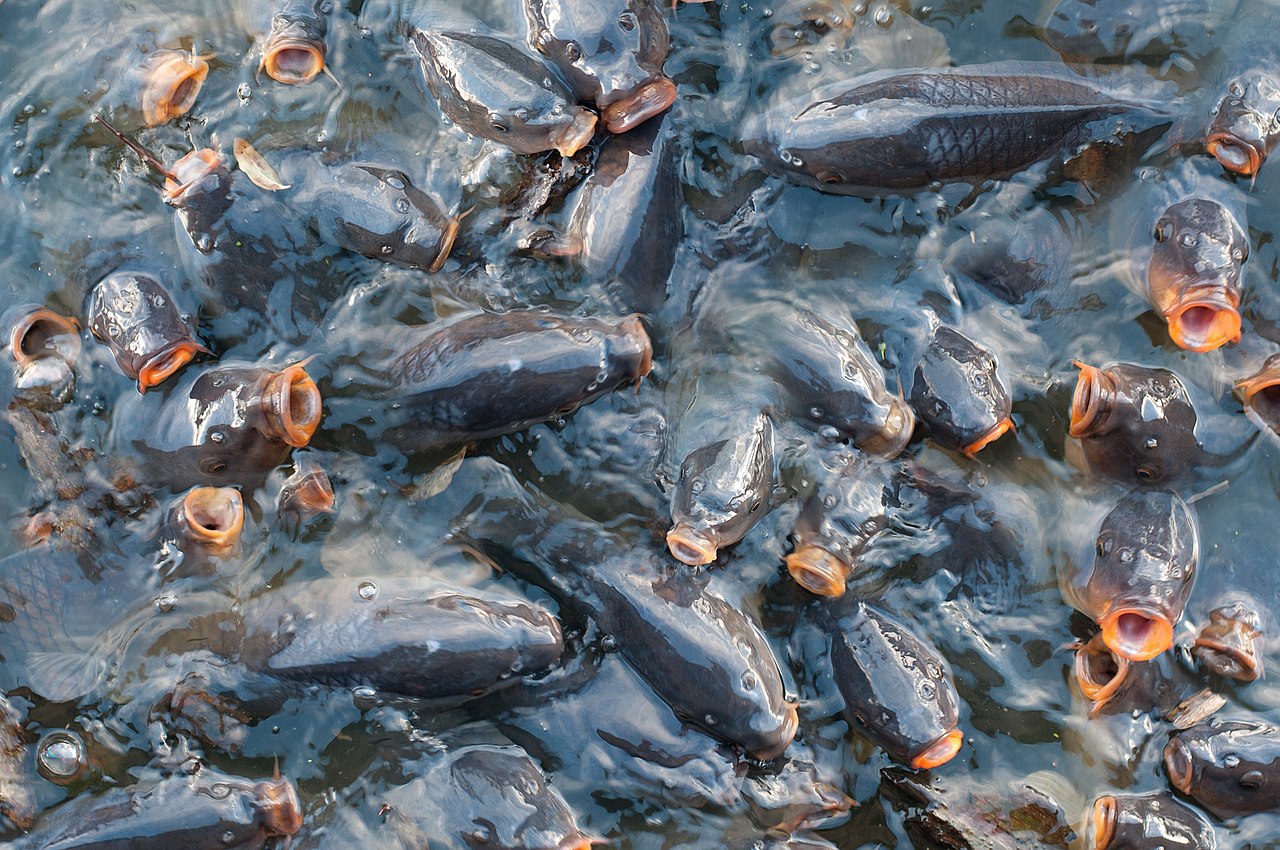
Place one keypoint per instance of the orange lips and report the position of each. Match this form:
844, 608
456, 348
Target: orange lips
818, 571
940, 751
174, 79
1090, 400
213, 515
1003, 427
652, 98
1233, 154
292, 61
1203, 324
691, 546
1135, 633
167, 362
291, 406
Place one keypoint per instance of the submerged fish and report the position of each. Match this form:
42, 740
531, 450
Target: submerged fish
1122, 29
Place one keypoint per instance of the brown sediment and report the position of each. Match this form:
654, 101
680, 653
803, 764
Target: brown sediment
690, 545
1091, 401
213, 516
174, 79
1003, 427
576, 136
786, 734
189, 169
1103, 823
292, 61
940, 751
652, 98
1135, 633
1178, 764
277, 801
290, 405
1204, 323
30, 336
167, 362
1099, 673
1235, 154
818, 571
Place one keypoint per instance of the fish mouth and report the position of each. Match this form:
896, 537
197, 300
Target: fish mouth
291, 405
1243, 664
163, 365
575, 136
191, 168
43, 333
1260, 394
1102, 824
314, 493
893, 436
1002, 427
940, 751
640, 348
1204, 323
652, 98
1235, 154
1138, 634
1091, 401
277, 801
690, 545
447, 237
214, 515
292, 61
173, 82
1179, 765
785, 735
818, 571
1099, 673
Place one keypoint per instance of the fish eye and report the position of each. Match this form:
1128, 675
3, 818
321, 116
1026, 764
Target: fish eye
1236, 88
1103, 546
1164, 229
1147, 473
627, 21
1252, 780
214, 467
573, 51
829, 177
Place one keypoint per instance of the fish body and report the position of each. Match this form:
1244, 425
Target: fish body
1228, 767
902, 131
1242, 130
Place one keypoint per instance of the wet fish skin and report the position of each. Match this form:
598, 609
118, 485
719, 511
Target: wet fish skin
1117, 29
901, 131
1147, 822
483, 375
210, 811
1143, 569
230, 424
897, 689
17, 803
138, 318
1136, 424
957, 392
411, 637
609, 51
843, 515
481, 795
1229, 767
371, 208
723, 491
494, 90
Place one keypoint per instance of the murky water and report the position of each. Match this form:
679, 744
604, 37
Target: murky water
978, 577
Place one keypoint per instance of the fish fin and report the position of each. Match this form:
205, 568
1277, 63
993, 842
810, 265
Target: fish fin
64, 676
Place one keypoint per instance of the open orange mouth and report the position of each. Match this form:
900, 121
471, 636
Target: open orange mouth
291, 406
940, 751
818, 571
168, 362
690, 545
1203, 324
1091, 400
1102, 824
1137, 634
1234, 154
174, 79
292, 61
214, 515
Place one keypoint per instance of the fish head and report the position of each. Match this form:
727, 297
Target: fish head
42, 348
1228, 767
1260, 393
1085, 29
211, 518
1194, 275
294, 50
1244, 128
172, 82
503, 800
1228, 644
1099, 673
279, 812
135, 315
958, 394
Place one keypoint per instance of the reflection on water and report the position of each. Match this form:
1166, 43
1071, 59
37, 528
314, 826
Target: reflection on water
143, 644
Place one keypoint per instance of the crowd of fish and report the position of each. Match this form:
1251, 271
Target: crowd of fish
561, 422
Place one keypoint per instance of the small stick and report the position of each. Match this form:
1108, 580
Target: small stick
147, 156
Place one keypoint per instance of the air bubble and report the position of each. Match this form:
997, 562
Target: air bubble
367, 590
61, 757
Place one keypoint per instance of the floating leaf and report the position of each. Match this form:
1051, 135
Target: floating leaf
256, 168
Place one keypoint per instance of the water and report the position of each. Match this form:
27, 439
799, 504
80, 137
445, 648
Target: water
987, 599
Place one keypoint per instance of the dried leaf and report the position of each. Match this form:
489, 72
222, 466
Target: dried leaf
256, 168
434, 482
1195, 708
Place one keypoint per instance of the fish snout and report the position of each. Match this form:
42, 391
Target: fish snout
940, 751
1137, 633
1179, 764
173, 81
638, 105
1204, 318
818, 571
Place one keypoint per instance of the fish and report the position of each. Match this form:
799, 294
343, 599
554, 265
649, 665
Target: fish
229, 424
1260, 394
702, 656
136, 315
480, 375
1229, 644
897, 690
290, 35
171, 81
405, 637
371, 208
1136, 424
842, 517
1242, 130
478, 795
1226, 766
205, 709
206, 523
41, 348
1113, 684
957, 393
1146, 822
610, 51
209, 811
1144, 566
1093, 30
493, 89
305, 494
901, 131
17, 802
724, 487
